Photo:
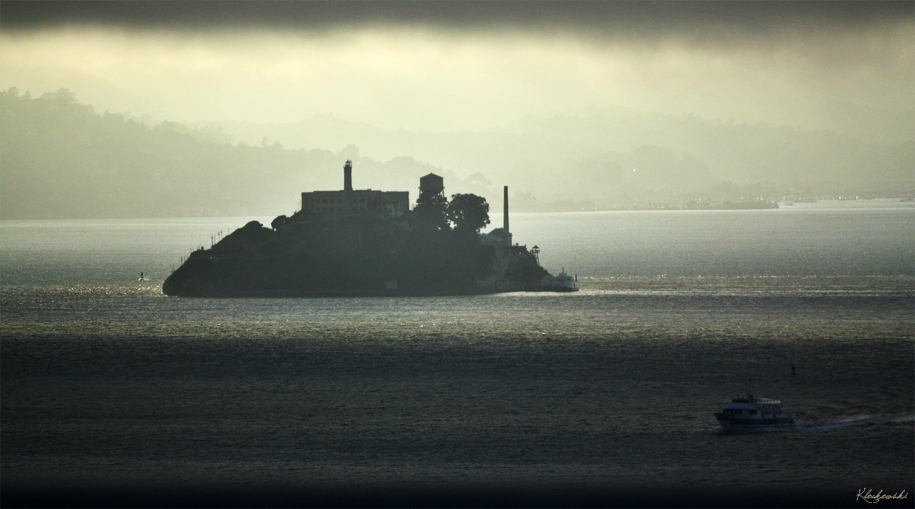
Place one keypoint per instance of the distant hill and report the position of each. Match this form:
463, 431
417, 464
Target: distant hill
616, 157
589, 156
63, 159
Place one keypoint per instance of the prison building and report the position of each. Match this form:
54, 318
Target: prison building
350, 202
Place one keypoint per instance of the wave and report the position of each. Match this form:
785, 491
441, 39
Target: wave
854, 421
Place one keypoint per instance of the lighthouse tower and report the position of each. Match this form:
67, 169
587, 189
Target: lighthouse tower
348, 176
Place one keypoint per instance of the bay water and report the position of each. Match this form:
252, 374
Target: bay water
114, 394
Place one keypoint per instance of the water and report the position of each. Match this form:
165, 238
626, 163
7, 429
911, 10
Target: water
115, 394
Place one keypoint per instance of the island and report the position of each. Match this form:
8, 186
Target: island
368, 243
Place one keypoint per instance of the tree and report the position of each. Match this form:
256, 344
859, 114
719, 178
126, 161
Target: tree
279, 222
468, 213
433, 209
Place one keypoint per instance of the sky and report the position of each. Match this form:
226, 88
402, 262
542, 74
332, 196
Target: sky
454, 65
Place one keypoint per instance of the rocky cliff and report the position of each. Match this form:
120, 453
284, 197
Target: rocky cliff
360, 255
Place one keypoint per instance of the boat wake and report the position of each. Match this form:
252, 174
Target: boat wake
855, 421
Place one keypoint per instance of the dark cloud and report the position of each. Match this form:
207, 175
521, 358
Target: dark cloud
645, 18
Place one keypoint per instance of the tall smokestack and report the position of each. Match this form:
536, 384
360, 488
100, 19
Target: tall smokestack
505, 209
348, 176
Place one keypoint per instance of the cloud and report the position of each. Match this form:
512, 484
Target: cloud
463, 65
597, 17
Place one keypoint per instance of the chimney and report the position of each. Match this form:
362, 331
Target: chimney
348, 176
505, 209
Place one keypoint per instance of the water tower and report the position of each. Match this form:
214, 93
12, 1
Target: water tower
431, 185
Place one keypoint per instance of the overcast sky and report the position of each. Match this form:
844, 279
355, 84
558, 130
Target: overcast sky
464, 65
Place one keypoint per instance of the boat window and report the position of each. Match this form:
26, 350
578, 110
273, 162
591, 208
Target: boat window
752, 412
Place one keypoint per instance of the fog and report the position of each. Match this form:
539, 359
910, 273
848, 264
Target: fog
451, 67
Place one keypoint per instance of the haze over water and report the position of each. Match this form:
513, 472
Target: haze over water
603, 397
152, 109
114, 394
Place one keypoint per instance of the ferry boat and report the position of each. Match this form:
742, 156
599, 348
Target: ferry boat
748, 413
565, 283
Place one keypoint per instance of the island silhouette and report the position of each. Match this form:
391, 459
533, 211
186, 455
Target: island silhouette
367, 243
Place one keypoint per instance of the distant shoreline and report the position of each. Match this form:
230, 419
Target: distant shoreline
859, 204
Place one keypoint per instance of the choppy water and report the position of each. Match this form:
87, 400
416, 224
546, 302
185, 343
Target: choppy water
113, 393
